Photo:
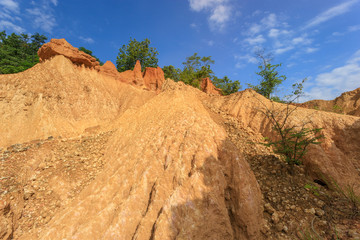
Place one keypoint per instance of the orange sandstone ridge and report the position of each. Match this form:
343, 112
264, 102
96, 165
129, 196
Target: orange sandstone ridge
151, 78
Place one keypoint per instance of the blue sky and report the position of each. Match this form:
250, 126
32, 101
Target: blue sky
314, 39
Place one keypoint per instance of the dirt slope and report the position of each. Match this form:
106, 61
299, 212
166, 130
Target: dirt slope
169, 172
58, 98
338, 157
346, 103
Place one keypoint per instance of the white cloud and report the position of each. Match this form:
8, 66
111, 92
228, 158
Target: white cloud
210, 43
354, 28
275, 33
331, 13
302, 40
242, 60
311, 50
87, 39
254, 29
219, 17
199, 5
248, 58
220, 11
331, 84
193, 25
10, 5
55, 2
255, 40
9, 25
270, 21
43, 15
283, 50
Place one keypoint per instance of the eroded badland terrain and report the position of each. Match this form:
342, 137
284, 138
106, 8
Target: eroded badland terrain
90, 153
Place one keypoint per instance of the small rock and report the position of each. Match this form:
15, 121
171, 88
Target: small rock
269, 208
279, 227
275, 217
319, 212
311, 211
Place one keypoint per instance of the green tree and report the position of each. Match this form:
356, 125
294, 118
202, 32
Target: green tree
19, 52
270, 77
226, 85
172, 72
129, 54
196, 68
87, 51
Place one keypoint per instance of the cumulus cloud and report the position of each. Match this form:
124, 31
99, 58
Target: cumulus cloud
329, 85
331, 13
220, 11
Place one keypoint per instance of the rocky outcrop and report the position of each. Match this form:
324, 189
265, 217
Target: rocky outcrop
336, 159
346, 103
170, 172
109, 69
208, 87
154, 78
62, 47
151, 78
56, 98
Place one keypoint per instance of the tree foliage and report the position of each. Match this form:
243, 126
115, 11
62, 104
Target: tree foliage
270, 77
226, 85
18, 52
172, 72
196, 68
129, 54
87, 51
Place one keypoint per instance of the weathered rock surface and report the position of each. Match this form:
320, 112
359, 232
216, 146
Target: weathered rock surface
109, 69
154, 78
170, 173
337, 158
208, 87
58, 98
62, 47
347, 103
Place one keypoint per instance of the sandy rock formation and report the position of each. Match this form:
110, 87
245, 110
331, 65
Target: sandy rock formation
134, 76
154, 78
338, 157
170, 173
208, 87
57, 98
109, 69
62, 47
347, 103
